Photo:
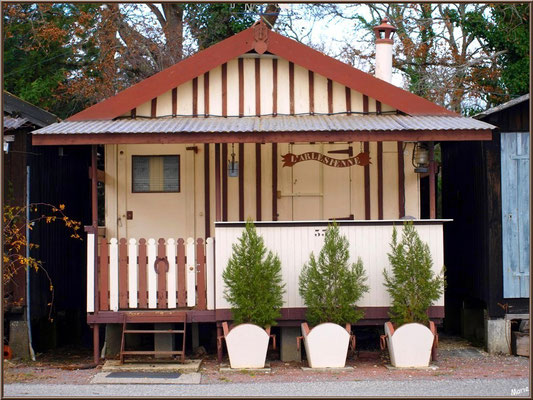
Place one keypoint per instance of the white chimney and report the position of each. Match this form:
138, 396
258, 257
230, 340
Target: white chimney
384, 33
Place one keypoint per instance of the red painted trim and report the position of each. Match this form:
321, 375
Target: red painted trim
258, 183
353, 78
274, 181
241, 86
218, 184
174, 101
311, 92
348, 93
224, 181
401, 181
173, 76
161, 275
206, 94
263, 137
195, 97
279, 45
373, 316
365, 104
142, 261
274, 87
367, 183
224, 89
207, 190
330, 96
380, 180
291, 88
257, 87
241, 181
103, 276
153, 111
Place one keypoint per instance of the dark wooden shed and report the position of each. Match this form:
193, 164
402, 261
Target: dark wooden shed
485, 189
54, 178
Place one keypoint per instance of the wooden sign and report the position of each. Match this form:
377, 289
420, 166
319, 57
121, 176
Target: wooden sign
290, 159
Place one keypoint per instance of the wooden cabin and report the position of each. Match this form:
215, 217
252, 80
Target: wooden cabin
486, 192
255, 127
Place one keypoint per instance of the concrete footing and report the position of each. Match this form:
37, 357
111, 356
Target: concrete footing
18, 339
288, 350
498, 336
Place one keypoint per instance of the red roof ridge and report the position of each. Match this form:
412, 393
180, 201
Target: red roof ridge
276, 44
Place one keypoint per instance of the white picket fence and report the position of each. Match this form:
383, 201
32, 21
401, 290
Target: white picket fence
150, 274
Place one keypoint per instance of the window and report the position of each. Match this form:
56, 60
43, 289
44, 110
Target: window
155, 174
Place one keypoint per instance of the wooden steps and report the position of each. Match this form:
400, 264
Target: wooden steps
180, 318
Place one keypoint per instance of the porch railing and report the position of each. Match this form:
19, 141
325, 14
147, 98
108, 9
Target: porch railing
146, 274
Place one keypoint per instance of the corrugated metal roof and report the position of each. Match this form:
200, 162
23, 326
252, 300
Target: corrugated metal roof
304, 123
503, 106
13, 122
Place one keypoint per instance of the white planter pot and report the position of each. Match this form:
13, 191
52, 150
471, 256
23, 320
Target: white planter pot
326, 345
410, 345
247, 345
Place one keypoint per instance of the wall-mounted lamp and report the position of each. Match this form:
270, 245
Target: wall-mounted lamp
420, 159
233, 166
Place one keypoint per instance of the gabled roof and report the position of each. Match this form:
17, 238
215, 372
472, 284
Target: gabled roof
17, 107
255, 38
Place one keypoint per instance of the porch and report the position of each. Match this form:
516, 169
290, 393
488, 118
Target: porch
156, 281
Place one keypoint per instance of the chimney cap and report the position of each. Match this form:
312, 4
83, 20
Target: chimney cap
384, 31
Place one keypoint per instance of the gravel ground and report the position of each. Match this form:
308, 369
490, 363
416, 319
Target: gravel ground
462, 370
426, 388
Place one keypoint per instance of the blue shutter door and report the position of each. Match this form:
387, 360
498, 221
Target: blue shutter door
515, 214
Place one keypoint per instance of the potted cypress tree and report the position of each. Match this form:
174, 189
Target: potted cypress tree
253, 286
413, 288
330, 287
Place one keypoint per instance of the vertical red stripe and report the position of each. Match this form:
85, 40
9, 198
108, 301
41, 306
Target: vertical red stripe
258, 87
348, 100
258, 183
224, 181
330, 96
311, 92
207, 189
174, 101
241, 181
206, 94
241, 87
380, 180
218, 206
365, 104
153, 113
291, 87
195, 97
274, 87
401, 181
274, 181
225, 89
367, 183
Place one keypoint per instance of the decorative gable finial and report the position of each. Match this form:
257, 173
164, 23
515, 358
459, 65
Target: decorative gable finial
260, 36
